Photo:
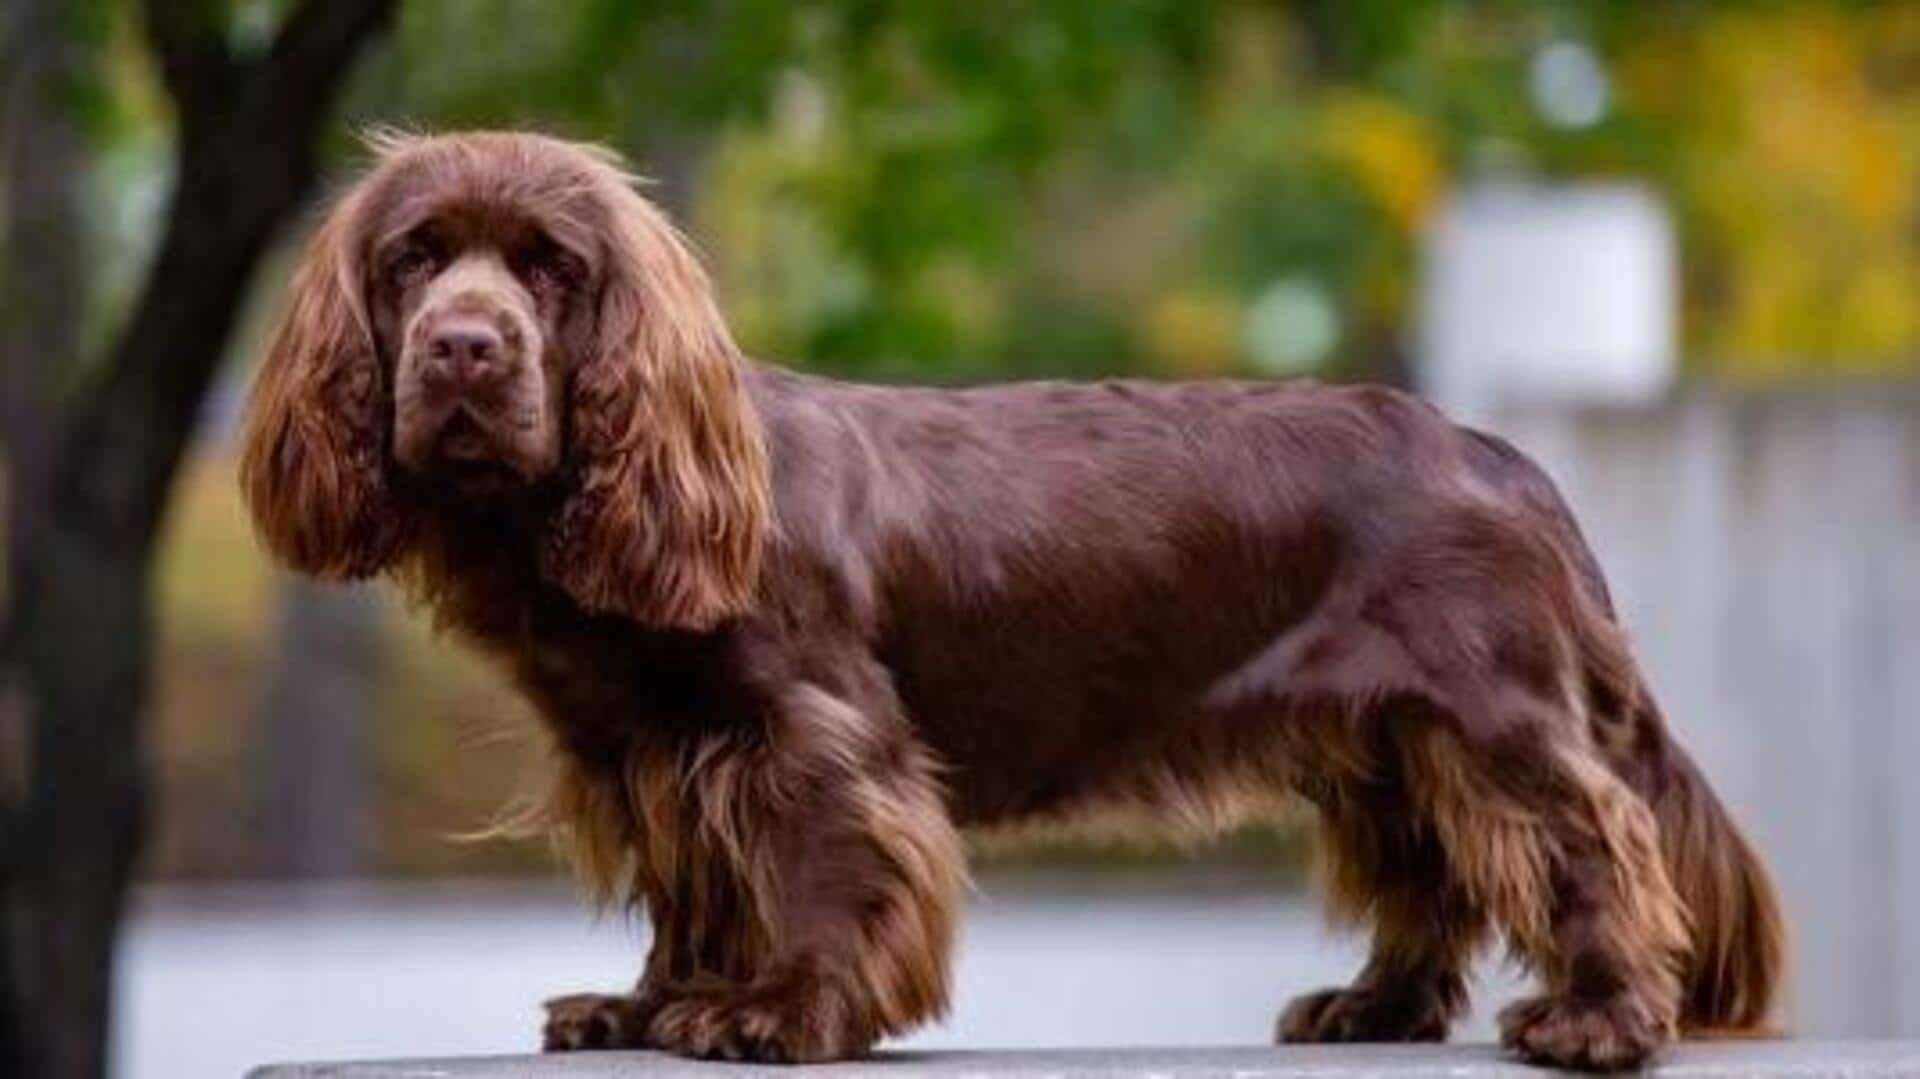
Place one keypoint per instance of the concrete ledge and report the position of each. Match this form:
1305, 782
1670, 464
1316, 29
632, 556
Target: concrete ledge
1798, 1060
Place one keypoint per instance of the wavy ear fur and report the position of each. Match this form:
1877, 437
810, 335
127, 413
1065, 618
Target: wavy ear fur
311, 465
670, 505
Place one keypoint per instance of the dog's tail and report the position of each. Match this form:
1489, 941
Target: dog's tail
1739, 940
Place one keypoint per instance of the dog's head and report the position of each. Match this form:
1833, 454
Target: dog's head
501, 320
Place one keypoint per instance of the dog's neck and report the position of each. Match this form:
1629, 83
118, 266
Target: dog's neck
475, 568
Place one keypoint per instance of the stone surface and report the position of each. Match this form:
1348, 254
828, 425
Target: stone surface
1799, 1060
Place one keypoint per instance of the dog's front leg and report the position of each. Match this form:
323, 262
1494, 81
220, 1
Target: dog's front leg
578, 1021
807, 898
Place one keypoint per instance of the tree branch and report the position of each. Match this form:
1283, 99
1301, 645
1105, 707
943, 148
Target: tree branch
318, 41
247, 157
194, 62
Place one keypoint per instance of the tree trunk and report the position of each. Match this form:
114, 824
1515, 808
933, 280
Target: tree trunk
86, 501
41, 310
86, 658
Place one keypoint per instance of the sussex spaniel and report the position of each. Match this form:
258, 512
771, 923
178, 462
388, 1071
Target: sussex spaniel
788, 634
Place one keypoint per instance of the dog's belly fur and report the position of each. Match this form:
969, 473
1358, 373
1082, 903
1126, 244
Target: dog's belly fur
1148, 720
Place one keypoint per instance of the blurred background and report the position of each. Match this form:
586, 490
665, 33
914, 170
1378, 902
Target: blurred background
1672, 248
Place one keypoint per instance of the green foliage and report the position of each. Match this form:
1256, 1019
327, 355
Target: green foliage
955, 190
929, 198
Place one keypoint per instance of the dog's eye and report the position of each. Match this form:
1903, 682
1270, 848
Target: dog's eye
548, 265
416, 259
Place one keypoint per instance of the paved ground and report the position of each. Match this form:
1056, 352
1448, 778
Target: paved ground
1799, 1060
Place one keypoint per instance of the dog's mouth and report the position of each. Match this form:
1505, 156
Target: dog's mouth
471, 457
462, 441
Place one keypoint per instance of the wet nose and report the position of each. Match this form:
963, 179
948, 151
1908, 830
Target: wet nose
468, 348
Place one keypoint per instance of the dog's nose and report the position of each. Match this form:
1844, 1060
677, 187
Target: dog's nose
470, 349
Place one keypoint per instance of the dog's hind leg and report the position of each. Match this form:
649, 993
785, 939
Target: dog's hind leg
1470, 693
1384, 866
1566, 860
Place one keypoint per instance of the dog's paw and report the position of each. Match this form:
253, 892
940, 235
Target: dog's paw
1614, 1034
593, 1021
791, 1022
1364, 1015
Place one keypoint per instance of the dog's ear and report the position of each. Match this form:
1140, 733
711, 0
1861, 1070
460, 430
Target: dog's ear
311, 464
670, 504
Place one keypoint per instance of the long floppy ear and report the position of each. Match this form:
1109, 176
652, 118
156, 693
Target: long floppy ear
670, 505
311, 466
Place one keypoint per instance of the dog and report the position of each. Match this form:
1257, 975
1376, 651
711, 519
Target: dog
789, 635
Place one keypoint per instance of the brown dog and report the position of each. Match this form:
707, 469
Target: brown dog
788, 633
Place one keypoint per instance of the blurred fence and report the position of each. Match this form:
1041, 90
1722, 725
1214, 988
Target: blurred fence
1764, 550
